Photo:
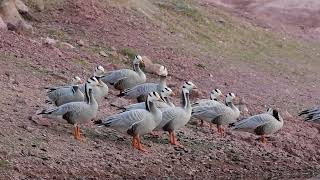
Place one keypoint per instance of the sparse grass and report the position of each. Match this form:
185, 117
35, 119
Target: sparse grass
3, 163
130, 53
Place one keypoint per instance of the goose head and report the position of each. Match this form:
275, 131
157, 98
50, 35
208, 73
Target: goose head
165, 93
99, 71
153, 96
76, 80
137, 60
189, 85
276, 115
163, 71
92, 81
215, 94
230, 97
269, 111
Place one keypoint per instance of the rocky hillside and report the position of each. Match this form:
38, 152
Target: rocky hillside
197, 41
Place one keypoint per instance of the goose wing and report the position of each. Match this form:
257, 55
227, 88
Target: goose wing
253, 121
125, 120
117, 75
141, 89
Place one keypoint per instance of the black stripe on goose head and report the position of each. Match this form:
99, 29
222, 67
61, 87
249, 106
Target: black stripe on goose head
154, 93
276, 114
166, 89
216, 90
187, 82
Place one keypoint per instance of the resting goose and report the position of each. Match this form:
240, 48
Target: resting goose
76, 112
126, 78
174, 118
165, 103
219, 113
136, 122
312, 115
261, 124
214, 95
54, 93
141, 90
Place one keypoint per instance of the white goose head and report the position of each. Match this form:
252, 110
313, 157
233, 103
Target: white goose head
137, 60
92, 81
230, 97
153, 96
166, 92
215, 94
99, 71
76, 80
189, 85
163, 71
269, 111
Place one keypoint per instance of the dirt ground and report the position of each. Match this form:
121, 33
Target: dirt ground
32, 147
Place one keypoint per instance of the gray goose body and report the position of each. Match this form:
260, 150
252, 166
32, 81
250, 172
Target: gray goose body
176, 117
136, 122
140, 91
219, 113
126, 78
214, 95
165, 103
311, 115
63, 94
76, 112
262, 124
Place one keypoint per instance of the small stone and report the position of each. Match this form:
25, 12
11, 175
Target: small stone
104, 54
50, 41
80, 42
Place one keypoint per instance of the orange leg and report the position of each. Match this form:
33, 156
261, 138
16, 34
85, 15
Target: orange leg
220, 130
174, 140
134, 143
263, 139
170, 137
75, 132
138, 144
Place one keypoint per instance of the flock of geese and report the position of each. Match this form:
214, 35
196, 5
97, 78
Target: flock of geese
78, 104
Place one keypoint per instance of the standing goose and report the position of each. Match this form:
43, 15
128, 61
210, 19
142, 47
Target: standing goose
214, 95
76, 112
136, 122
312, 115
141, 90
261, 124
126, 78
165, 103
176, 117
218, 113
99, 88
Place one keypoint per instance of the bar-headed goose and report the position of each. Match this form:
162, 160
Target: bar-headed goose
262, 124
219, 113
174, 118
311, 115
76, 112
126, 78
141, 90
214, 95
136, 122
54, 93
165, 103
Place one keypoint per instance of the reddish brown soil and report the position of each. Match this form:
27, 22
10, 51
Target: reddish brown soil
32, 147
295, 17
